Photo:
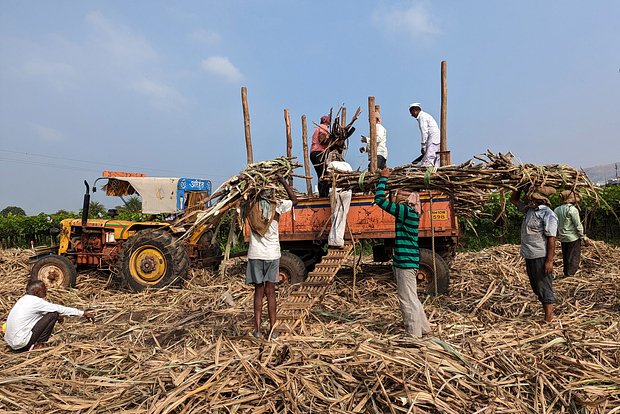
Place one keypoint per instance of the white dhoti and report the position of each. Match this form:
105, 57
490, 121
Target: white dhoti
431, 156
414, 317
342, 202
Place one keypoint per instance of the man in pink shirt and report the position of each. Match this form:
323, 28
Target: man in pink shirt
320, 139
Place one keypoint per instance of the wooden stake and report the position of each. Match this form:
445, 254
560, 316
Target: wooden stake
444, 155
343, 117
246, 124
289, 140
304, 138
373, 134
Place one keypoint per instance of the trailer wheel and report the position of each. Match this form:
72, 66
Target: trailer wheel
292, 269
426, 277
206, 250
152, 259
55, 271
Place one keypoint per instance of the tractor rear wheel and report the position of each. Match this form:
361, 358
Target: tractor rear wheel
55, 271
292, 269
426, 275
153, 259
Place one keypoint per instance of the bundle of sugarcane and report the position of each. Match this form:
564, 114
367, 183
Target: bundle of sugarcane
243, 187
470, 184
338, 132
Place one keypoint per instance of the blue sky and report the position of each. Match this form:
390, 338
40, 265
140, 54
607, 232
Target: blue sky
154, 86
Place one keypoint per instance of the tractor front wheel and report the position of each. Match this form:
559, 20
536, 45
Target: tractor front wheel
55, 271
153, 259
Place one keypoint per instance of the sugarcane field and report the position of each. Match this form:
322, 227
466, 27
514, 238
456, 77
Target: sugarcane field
267, 207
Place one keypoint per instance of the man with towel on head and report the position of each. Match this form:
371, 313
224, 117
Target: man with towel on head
320, 140
406, 259
570, 231
538, 233
264, 251
430, 136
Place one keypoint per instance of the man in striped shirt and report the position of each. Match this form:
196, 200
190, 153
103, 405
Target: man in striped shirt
406, 259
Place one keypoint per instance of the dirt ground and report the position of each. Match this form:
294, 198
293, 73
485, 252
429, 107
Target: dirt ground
189, 350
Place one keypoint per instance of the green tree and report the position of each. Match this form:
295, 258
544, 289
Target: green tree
132, 205
96, 210
16, 211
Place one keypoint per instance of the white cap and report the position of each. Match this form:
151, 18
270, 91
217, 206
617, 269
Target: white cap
415, 105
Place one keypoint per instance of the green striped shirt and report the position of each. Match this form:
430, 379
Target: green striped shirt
406, 250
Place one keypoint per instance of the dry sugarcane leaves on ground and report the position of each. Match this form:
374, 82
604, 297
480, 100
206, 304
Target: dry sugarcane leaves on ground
189, 350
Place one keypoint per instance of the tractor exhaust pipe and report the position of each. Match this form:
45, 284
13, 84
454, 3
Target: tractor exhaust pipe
86, 205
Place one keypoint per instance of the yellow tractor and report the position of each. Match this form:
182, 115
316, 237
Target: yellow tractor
145, 254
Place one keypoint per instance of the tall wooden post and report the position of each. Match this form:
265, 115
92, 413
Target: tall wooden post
304, 137
343, 117
246, 124
444, 157
289, 140
373, 134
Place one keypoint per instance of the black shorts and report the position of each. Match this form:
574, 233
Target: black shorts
542, 283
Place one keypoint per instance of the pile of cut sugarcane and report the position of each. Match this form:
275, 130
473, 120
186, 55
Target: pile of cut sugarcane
470, 184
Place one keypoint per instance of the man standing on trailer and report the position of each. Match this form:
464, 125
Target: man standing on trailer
264, 252
406, 259
430, 136
320, 139
382, 152
538, 233
340, 205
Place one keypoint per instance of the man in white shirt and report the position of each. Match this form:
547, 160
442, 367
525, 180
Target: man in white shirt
382, 152
32, 318
340, 206
429, 133
264, 252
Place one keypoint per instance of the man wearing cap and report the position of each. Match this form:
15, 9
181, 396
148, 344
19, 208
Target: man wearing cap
320, 139
538, 232
429, 132
570, 231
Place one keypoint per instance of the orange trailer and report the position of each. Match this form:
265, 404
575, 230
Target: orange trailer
304, 231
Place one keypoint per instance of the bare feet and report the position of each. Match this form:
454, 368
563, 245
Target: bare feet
40, 345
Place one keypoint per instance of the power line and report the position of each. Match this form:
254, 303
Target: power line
105, 164
45, 164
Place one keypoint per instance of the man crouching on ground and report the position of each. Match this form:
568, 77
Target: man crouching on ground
32, 318
264, 251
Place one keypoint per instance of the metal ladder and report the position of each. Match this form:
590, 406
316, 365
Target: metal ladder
295, 308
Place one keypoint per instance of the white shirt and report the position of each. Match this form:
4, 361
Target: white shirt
381, 142
429, 131
268, 246
26, 312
